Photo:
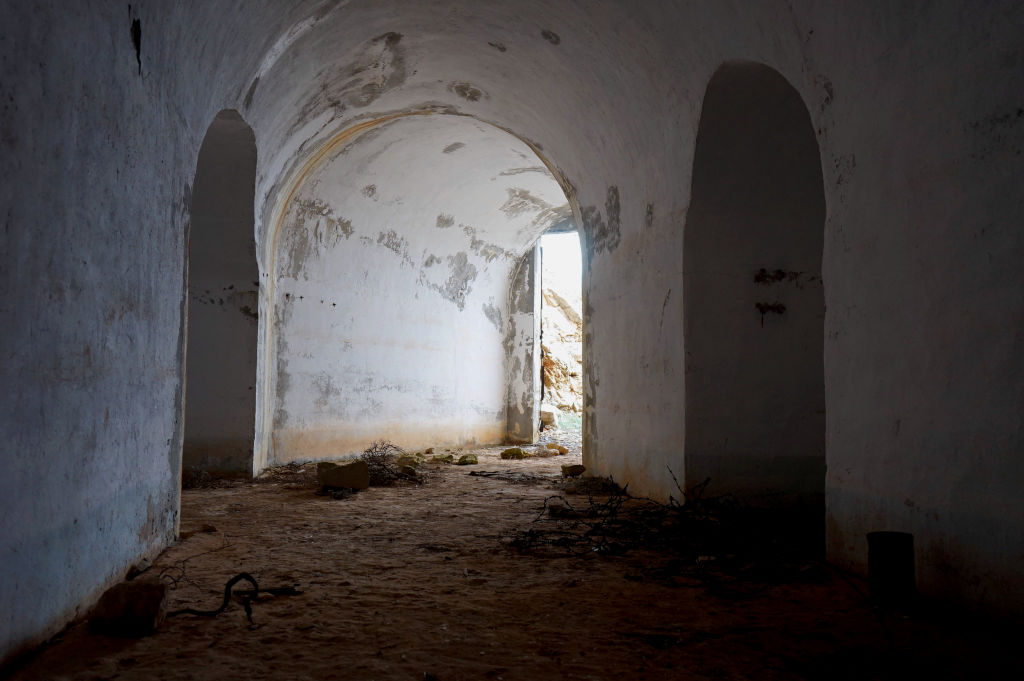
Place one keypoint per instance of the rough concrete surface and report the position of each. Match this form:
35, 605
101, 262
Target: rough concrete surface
917, 115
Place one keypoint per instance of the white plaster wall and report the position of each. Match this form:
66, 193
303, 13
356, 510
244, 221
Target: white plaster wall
917, 112
94, 212
392, 314
223, 282
925, 302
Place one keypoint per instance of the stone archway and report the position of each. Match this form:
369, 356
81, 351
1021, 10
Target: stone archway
754, 307
220, 403
399, 304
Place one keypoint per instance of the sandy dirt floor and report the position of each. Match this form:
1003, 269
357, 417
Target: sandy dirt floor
418, 581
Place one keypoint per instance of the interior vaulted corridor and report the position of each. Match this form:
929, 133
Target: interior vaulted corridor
395, 309
240, 236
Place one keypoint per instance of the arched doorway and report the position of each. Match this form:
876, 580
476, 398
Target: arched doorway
220, 402
561, 328
753, 298
403, 287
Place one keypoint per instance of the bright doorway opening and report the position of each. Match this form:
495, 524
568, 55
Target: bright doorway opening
561, 365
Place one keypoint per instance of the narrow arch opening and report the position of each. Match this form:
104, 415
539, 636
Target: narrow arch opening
561, 329
753, 300
223, 289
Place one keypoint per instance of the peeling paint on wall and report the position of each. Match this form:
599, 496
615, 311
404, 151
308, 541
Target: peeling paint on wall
460, 282
494, 314
485, 250
519, 171
396, 244
521, 201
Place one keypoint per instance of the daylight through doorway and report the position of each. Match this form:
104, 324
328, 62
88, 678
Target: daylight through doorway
561, 365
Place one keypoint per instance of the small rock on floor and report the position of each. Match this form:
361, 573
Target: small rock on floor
352, 475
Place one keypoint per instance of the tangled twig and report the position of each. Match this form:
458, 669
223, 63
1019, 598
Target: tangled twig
380, 459
181, 566
715, 537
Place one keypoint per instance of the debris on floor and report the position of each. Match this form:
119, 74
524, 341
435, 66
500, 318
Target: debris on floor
350, 475
467, 460
713, 540
514, 453
513, 477
573, 470
408, 578
292, 475
380, 457
549, 415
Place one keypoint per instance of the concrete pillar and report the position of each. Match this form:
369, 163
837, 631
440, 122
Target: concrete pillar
522, 345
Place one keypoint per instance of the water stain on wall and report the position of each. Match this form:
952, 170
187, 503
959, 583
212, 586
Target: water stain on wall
326, 390
493, 314
551, 37
301, 242
603, 234
282, 314
377, 67
468, 92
